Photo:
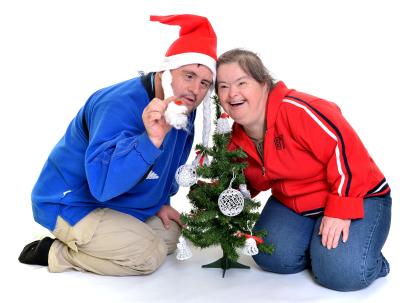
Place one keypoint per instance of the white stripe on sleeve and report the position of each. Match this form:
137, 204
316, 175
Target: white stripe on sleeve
333, 136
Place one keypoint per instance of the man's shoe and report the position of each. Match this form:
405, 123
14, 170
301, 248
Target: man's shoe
37, 252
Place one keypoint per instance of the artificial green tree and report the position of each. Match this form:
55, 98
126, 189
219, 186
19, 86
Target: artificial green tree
206, 225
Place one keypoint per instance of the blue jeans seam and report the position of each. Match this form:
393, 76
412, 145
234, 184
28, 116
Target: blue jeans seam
364, 280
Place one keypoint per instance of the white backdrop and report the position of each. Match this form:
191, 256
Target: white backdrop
54, 54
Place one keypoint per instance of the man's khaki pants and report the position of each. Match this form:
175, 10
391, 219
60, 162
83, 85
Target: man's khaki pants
108, 242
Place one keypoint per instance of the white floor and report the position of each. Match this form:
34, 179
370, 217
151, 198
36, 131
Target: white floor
186, 281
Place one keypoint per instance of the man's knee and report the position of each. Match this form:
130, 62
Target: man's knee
170, 236
151, 260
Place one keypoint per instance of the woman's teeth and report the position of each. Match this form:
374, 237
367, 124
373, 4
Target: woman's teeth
236, 103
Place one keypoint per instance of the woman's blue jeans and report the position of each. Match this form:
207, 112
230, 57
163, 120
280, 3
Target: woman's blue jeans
351, 266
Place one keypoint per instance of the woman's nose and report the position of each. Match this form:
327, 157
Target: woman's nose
233, 90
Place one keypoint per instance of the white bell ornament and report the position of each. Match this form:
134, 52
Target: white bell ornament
183, 251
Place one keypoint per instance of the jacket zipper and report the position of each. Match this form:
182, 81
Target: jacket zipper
263, 154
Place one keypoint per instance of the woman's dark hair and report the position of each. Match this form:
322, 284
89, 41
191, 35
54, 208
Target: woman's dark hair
250, 64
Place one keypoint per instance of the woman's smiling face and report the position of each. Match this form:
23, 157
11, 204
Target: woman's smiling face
240, 95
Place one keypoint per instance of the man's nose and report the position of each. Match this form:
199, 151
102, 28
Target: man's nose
195, 87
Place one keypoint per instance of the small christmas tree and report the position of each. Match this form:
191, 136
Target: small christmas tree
222, 212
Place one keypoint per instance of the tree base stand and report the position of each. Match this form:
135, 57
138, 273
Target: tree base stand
225, 263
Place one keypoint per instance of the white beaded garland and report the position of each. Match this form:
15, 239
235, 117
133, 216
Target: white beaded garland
231, 202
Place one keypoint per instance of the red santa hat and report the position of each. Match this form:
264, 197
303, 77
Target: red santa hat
196, 45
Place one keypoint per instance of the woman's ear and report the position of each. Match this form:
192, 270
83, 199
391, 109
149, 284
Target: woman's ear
265, 88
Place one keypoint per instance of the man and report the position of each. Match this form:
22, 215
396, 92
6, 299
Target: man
105, 190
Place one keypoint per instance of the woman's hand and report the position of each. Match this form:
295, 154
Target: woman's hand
330, 230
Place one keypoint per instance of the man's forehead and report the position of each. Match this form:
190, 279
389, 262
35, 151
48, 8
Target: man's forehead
198, 69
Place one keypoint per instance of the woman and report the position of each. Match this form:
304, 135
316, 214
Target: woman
330, 208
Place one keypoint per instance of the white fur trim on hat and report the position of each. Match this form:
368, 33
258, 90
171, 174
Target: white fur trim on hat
166, 80
176, 61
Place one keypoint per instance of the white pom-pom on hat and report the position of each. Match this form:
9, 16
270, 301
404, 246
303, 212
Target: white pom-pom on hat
176, 114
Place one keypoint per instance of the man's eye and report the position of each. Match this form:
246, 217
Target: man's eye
205, 84
188, 76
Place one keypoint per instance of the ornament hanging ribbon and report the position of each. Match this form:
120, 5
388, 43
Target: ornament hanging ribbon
257, 239
250, 247
202, 156
248, 236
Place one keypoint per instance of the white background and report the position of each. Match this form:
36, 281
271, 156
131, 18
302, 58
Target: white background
54, 54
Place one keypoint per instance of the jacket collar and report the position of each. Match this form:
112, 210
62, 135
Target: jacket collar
275, 97
239, 136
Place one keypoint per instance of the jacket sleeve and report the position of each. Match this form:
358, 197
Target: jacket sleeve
120, 152
321, 129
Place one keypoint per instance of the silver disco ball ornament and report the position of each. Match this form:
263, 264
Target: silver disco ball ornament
231, 202
186, 175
